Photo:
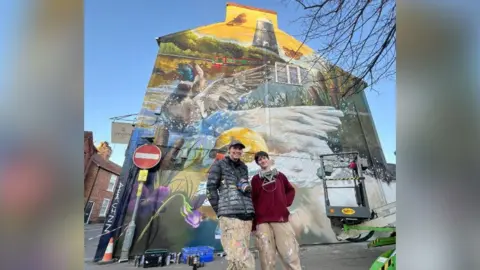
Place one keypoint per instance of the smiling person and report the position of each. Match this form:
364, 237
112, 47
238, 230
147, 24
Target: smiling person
229, 194
272, 194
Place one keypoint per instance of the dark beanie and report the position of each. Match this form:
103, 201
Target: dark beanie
260, 154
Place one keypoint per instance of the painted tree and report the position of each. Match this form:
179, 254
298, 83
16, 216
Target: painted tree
359, 36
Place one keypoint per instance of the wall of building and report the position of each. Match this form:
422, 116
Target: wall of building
239, 66
98, 190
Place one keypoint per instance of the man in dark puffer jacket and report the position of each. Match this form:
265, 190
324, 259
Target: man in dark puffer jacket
228, 191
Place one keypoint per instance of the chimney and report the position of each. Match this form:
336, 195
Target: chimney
104, 150
265, 36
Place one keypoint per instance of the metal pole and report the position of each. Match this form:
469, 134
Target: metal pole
267, 109
324, 182
127, 241
338, 154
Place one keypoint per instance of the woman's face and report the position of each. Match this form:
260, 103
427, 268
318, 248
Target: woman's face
236, 152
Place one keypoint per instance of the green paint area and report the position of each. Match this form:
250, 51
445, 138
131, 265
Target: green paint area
189, 44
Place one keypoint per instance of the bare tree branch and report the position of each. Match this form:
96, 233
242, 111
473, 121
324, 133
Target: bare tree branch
357, 36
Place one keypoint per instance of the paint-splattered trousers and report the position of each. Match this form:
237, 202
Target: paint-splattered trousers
235, 240
277, 237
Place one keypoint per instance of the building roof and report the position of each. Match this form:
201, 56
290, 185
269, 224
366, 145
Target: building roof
88, 142
96, 158
107, 165
251, 8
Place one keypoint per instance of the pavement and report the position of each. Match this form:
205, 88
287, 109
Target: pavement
90, 245
342, 256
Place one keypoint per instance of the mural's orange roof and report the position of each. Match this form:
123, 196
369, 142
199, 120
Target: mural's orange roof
250, 7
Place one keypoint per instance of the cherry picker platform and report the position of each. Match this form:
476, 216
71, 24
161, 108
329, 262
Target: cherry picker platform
351, 223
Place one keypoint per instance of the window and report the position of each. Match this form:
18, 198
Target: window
104, 208
288, 74
281, 75
294, 75
111, 184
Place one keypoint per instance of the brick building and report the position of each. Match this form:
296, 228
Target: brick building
100, 178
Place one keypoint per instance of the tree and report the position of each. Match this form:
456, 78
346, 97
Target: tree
358, 36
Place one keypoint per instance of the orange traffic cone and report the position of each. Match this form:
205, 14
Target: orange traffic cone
108, 256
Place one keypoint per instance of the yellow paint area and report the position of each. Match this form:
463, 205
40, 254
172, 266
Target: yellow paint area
207, 211
253, 141
188, 181
243, 31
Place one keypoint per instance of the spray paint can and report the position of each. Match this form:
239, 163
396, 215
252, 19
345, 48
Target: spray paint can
142, 260
137, 261
159, 262
179, 257
168, 259
195, 262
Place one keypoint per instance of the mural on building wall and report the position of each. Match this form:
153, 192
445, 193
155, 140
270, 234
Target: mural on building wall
215, 83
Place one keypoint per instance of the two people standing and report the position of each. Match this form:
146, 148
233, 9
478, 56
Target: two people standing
261, 206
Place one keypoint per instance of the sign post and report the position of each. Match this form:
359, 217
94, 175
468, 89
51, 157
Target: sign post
145, 157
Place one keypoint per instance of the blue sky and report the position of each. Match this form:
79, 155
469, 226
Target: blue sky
120, 50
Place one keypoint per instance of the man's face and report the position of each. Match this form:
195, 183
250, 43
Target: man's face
236, 152
263, 162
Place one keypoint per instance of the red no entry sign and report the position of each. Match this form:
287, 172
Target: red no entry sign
147, 156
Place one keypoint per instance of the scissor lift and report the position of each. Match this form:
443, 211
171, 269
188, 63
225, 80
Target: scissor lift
346, 214
349, 223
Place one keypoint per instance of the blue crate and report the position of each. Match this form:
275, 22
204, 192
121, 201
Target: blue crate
205, 253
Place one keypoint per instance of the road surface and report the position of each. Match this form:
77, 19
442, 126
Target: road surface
345, 256
91, 231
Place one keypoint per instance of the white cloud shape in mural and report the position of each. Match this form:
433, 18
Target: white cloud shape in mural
296, 136
301, 129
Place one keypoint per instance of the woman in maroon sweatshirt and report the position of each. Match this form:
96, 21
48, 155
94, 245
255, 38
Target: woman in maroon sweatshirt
272, 194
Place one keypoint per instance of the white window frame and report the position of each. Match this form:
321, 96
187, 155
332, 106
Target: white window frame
288, 67
114, 184
104, 214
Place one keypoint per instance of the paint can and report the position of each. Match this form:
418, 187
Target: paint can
195, 262
173, 257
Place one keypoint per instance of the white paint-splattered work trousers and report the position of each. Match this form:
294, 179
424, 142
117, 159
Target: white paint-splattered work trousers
235, 240
277, 237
